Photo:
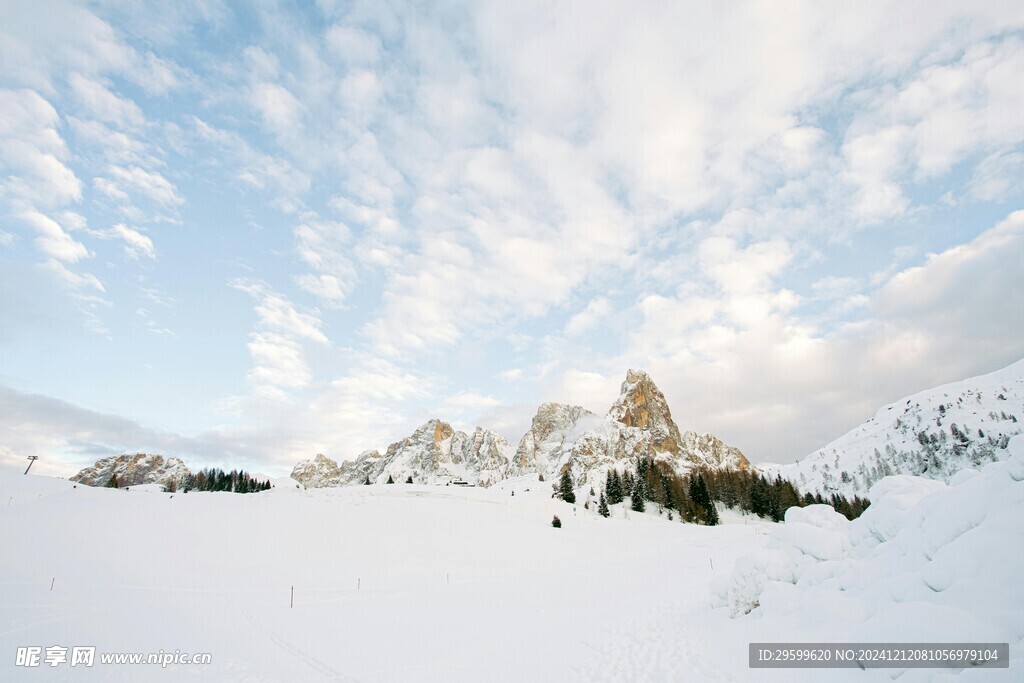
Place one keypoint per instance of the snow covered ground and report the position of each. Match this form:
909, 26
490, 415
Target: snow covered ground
422, 583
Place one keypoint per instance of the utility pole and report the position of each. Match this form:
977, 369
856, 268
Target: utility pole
31, 459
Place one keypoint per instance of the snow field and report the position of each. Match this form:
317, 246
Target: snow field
392, 583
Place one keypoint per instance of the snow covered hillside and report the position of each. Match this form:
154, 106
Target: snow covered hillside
934, 434
927, 562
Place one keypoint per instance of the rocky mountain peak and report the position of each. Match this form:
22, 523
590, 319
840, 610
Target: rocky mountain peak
320, 471
642, 405
133, 469
434, 430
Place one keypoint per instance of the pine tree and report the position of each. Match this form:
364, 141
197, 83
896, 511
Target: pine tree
565, 491
113, 483
556, 522
637, 496
409, 480
614, 488
668, 500
702, 499
712, 515
760, 502
602, 507
391, 480
366, 481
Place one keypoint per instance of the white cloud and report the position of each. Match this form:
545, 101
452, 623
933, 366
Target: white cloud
278, 361
327, 287
149, 183
76, 281
996, 176
594, 312
87, 291
281, 112
152, 325
52, 240
353, 46
278, 357
277, 312
254, 168
104, 105
468, 400
32, 152
135, 243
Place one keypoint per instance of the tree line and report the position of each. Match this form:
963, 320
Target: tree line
215, 479
692, 497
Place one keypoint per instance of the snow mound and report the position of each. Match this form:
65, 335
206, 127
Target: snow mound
926, 562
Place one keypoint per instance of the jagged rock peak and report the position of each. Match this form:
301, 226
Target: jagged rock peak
433, 428
553, 423
641, 404
320, 471
133, 470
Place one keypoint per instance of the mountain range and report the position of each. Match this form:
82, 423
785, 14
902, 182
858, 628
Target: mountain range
561, 438
934, 433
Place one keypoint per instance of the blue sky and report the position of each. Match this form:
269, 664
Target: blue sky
247, 233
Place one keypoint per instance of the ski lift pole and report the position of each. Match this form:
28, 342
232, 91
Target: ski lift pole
31, 459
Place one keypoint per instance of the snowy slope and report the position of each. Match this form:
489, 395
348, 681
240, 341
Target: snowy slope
934, 434
927, 562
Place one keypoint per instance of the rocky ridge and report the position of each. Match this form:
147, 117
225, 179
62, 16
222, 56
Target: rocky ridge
434, 453
133, 470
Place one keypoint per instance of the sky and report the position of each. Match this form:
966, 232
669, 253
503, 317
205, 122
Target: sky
246, 233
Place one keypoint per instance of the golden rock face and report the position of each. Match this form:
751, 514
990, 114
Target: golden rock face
442, 431
643, 406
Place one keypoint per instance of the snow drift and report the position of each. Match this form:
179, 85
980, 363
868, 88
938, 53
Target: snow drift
927, 562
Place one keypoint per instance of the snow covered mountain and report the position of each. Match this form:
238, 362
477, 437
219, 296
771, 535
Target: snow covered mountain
638, 424
434, 453
932, 434
133, 470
